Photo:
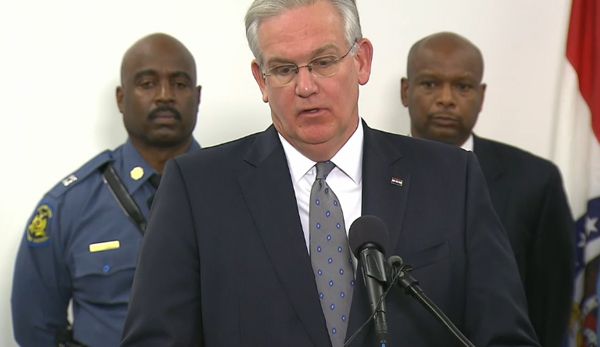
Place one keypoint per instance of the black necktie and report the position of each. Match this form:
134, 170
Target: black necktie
154, 181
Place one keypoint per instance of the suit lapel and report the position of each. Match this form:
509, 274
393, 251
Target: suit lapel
386, 181
270, 197
488, 159
491, 163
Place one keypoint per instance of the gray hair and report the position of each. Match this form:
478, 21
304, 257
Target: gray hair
262, 9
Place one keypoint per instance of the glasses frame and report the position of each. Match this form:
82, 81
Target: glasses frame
309, 66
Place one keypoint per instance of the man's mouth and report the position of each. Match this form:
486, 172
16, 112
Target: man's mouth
444, 119
310, 111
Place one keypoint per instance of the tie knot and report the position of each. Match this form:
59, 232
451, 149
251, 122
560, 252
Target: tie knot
154, 180
324, 168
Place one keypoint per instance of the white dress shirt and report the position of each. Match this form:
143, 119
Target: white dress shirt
468, 145
345, 179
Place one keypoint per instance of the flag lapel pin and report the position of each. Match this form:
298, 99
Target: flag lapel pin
397, 181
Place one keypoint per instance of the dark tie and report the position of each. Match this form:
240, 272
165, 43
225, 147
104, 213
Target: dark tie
154, 181
330, 255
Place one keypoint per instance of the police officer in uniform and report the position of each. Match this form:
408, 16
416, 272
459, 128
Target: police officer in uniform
82, 241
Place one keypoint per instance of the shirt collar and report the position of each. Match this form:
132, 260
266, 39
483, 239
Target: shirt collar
135, 171
345, 159
468, 145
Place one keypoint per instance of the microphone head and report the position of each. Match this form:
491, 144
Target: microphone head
366, 230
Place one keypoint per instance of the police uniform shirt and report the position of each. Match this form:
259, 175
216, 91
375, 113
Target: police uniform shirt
80, 245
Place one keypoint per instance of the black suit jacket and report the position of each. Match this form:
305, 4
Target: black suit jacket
527, 193
224, 262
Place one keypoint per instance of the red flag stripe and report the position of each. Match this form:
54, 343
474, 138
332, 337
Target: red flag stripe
583, 52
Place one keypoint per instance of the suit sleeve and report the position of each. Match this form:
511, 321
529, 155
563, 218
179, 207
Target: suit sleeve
41, 284
165, 303
550, 286
495, 313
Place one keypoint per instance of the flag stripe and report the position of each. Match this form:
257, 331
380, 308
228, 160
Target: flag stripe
583, 52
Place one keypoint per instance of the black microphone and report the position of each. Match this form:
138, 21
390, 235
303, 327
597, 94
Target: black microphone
368, 238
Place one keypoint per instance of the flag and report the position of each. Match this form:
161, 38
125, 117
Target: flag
577, 152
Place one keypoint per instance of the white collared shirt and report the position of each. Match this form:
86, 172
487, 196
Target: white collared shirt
468, 145
345, 179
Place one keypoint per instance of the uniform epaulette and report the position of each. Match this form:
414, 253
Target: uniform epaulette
80, 174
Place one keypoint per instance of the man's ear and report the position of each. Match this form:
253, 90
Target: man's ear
404, 91
260, 80
198, 94
482, 97
119, 96
363, 59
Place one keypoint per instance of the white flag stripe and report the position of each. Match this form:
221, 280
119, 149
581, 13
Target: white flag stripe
575, 147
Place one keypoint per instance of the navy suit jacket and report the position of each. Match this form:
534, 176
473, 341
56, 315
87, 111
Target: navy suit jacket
528, 195
224, 262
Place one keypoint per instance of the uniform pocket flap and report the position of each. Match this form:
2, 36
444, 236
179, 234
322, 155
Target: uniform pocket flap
105, 262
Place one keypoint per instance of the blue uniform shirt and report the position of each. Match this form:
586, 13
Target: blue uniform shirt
80, 245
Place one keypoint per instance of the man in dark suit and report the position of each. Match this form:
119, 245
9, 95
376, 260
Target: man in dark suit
229, 258
444, 95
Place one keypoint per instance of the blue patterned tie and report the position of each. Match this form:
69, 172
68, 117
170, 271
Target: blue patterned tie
330, 255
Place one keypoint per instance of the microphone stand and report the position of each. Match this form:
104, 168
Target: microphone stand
374, 275
401, 276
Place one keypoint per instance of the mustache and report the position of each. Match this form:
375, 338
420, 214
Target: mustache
160, 109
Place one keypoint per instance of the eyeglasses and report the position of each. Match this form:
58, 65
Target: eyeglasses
325, 66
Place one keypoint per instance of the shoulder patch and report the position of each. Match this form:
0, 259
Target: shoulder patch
80, 174
37, 231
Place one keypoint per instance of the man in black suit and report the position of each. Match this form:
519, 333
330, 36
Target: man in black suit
228, 258
444, 95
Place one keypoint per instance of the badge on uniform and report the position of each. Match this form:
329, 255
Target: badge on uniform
37, 231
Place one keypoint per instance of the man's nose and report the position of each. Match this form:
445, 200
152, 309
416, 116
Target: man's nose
305, 82
165, 92
446, 95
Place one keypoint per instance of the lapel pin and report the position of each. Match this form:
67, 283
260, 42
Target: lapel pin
137, 173
397, 181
